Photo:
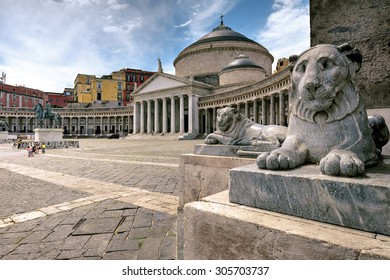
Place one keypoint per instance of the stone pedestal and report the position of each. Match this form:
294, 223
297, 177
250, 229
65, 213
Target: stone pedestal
201, 176
4, 135
232, 150
361, 203
48, 134
216, 229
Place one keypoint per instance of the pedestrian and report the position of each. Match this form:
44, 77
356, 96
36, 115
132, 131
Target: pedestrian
19, 143
30, 151
43, 146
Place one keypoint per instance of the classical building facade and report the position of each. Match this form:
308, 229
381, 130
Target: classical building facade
222, 68
96, 122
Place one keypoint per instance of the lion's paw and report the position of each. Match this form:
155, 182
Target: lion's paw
342, 163
210, 141
274, 160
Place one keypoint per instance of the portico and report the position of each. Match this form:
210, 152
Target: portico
168, 104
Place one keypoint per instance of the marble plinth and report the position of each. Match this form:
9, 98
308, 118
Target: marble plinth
232, 150
4, 135
361, 203
48, 134
215, 229
202, 175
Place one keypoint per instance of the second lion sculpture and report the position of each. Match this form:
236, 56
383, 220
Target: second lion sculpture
328, 122
233, 128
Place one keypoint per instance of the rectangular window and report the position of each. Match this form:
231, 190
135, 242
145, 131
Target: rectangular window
119, 86
99, 85
99, 96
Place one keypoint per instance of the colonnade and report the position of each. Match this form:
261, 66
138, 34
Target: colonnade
171, 114
267, 110
81, 123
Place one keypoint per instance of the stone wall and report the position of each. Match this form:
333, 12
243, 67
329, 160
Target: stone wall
241, 75
202, 59
365, 25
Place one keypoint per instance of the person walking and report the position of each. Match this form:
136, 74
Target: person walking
30, 151
43, 146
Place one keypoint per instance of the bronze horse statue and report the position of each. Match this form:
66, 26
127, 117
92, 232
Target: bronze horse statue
42, 114
3, 126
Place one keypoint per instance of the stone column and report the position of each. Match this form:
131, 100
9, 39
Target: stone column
214, 122
190, 114
142, 118
181, 113
206, 122
247, 109
196, 114
78, 125
156, 117
123, 124
165, 116
135, 118
149, 118
263, 111
101, 125
173, 115
282, 117
272, 107
86, 125
255, 111
238, 107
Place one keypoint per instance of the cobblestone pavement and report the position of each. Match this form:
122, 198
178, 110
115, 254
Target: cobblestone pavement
108, 199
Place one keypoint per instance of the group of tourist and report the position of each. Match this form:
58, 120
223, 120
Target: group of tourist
34, 149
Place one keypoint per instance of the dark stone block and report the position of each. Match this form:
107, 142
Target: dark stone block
360, 203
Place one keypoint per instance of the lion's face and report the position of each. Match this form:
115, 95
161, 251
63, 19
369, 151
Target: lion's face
319, 75
322, 82
226, 118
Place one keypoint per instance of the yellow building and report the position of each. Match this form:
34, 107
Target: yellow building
92, 90
108, 88
82, 88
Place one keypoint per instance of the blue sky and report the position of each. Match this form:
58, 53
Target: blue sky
46, 43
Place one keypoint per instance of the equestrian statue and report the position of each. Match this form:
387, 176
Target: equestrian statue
3, 126
42, 114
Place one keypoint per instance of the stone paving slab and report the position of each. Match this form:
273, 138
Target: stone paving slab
130, 184
31, 193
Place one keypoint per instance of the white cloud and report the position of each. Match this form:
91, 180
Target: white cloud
184, 24
206, 12
287, 30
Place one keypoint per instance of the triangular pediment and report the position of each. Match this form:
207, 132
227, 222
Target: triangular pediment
161, 82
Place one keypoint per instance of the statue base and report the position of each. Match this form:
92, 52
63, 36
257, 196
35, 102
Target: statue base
4, 135
362, 203
48, 134
233, 150
215, 229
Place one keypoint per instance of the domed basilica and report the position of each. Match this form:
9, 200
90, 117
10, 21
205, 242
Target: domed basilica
222, 68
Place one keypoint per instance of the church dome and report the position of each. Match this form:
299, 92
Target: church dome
242, 61
241, 70
222, 33
204, 59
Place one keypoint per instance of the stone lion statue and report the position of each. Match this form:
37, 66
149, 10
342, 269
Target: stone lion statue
328, 122
380, 131
233, 128
3, 126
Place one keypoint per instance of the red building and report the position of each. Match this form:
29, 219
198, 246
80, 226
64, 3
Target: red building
134, 78
20, 96
60, 100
